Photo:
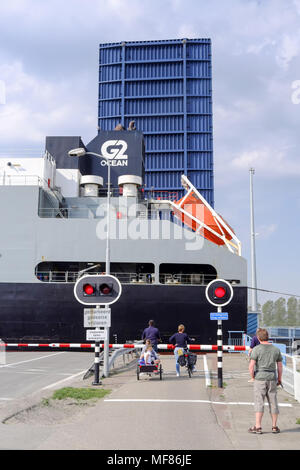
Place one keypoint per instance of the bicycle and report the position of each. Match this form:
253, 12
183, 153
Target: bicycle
188, 360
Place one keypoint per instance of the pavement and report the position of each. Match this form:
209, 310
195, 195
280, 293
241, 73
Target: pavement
174, 413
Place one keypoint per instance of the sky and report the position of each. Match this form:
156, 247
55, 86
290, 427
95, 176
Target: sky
48, 86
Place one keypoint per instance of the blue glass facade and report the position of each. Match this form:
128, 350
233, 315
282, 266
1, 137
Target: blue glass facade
166, 88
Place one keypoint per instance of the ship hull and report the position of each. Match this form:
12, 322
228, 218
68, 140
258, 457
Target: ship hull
49, 313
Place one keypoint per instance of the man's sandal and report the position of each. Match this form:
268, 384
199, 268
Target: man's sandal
255, 430
275, 430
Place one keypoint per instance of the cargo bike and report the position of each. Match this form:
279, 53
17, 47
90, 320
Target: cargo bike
154, 369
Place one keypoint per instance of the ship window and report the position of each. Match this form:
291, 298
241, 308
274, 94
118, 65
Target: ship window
171, 273
52, 271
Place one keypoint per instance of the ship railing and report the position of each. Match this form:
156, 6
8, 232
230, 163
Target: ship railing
67, 213
130, 278
20, 180
88, 213
187, 279
159, 194
72, 276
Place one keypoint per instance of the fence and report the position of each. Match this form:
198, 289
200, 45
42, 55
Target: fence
291, 375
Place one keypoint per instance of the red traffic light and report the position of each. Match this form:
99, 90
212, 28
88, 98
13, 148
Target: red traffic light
220, 292
88, 289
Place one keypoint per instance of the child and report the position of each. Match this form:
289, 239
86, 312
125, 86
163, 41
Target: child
148, 343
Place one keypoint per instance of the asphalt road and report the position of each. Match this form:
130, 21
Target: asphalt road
28, 372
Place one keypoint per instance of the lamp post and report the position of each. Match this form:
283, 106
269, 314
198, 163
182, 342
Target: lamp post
253, 254
81, 152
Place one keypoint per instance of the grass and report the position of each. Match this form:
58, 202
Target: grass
79, 393
298, 421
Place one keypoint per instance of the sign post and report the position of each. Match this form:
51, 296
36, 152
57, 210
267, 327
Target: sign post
219, 293
96, 291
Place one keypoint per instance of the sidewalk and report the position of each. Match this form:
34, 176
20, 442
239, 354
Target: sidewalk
237, 418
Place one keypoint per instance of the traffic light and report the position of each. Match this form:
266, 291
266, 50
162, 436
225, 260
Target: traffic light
97, 289
89, 289
219, 292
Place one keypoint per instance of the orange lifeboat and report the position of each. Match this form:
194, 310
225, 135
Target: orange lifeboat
212, 228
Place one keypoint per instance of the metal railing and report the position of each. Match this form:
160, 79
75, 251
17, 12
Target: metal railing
89, 212
124, 353
67, 212
20, 180
130, 278
291, 375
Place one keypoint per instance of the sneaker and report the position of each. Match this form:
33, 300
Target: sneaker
178, 375
251, 380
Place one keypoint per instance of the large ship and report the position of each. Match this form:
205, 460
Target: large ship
163, 250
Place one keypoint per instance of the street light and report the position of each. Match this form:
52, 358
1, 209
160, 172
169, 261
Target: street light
81, 152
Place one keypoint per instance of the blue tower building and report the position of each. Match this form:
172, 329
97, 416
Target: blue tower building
165, 87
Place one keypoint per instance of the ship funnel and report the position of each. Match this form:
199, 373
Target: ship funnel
90, 185
129, 184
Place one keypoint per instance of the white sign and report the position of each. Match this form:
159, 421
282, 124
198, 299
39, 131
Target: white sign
96, 335
97, 318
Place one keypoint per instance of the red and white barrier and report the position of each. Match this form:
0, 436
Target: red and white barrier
161, 347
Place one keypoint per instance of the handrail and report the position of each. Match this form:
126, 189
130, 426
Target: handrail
130, 278
116, 354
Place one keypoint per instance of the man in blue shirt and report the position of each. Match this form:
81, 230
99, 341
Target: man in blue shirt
151, 333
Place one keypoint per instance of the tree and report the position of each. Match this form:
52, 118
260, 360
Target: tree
268, 313
292, 313
280, 315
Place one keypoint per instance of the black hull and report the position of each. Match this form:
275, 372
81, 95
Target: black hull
49, 313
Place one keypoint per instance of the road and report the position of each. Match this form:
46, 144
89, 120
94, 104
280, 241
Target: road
29, 372
175, 413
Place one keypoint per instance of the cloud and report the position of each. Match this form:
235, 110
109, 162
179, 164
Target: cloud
36, 107
288, 50
264, 232
269, 161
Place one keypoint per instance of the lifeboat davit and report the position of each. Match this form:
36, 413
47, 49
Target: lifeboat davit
203, 220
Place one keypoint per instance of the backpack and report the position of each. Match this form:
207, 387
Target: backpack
192, 358
182, 360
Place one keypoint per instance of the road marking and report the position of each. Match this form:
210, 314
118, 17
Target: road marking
5, 399
30, 360
63, 380
156, 400
206, 370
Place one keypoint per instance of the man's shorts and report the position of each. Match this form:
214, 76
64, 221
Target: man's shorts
265, 389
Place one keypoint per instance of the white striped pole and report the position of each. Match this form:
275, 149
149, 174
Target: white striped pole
220, 351
97, 362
